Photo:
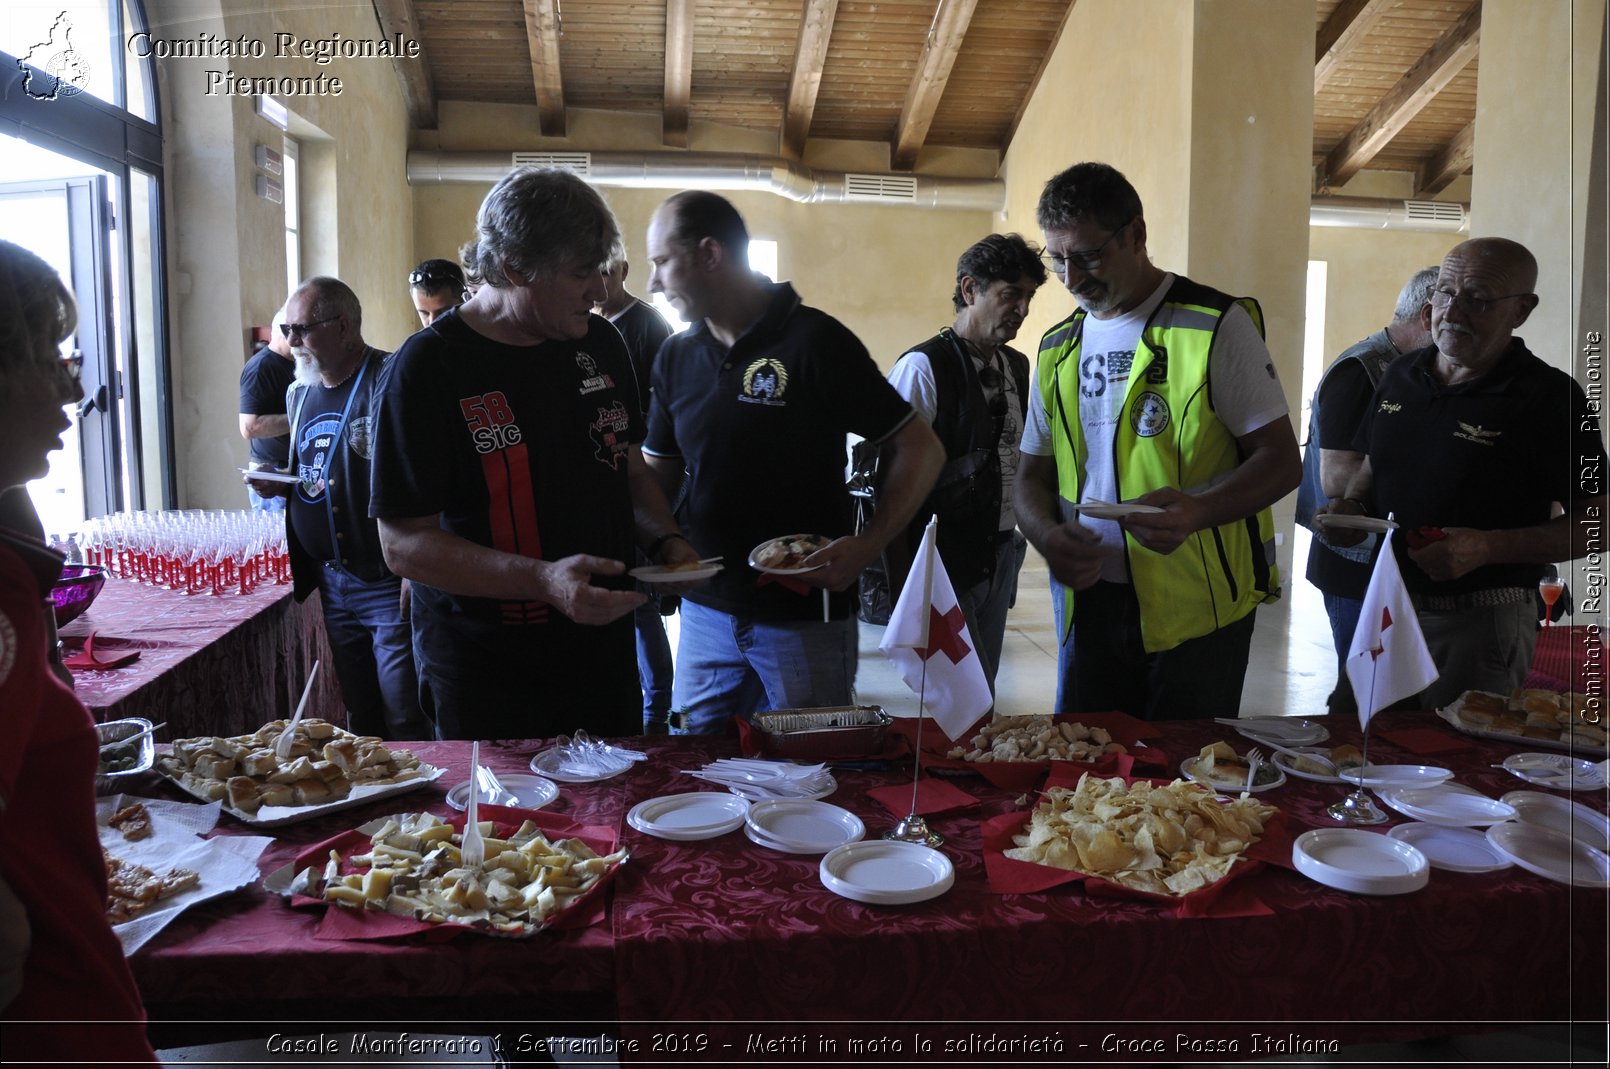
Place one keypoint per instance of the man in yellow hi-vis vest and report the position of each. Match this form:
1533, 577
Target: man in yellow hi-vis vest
1158, 437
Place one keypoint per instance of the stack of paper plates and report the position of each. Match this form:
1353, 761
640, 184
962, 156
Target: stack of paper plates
1561, 815
1551, 854
1374, 776
687, 817
1363, 862
1454, 849
1451, 804
887, 873
802, 827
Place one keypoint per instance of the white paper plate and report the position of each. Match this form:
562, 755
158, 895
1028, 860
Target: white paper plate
1288, 764
1355, 523
530, 792
1397, 776
658, 573
1449, 804
753, 553
1104, 510
887, 873
1362, 862
1551, 854
802, 827
550, 763
1189, 771
1557, 771
688, 817
271, 476
1561, 815
1453, 849
1286, 730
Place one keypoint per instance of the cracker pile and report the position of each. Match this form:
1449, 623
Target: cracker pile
1168, 840
325, 763
413, 868
1036, 738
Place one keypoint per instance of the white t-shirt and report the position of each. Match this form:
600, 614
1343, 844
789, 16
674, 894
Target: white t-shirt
913, 378
1246, 395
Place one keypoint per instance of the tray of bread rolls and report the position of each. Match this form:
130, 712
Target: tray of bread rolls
1544, 719
327, 769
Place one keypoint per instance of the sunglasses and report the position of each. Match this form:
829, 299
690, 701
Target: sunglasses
990, 377
430, 278
290, 330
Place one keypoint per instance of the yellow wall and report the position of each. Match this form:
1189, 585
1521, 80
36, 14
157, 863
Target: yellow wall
226, 245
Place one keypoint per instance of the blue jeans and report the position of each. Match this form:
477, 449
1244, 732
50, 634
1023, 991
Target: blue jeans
728, 667
259, 503
653, 663
1343, 613
1104, 664
985, 604
373, 651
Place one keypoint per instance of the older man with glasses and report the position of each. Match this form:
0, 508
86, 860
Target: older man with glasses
972, 388
1491, 463
1157, 440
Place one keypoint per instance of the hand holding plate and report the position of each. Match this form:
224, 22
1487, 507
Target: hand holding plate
1164, 532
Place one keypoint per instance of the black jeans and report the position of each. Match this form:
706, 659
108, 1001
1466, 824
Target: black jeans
1103, 665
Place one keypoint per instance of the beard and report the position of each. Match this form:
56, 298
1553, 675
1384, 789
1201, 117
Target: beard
307, 368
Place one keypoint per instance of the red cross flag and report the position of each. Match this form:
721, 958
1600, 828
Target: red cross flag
1388, 660
928, 641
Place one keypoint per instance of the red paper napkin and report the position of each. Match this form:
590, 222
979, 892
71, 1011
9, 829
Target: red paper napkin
342, 924
1425, 740
933, 796
85, 658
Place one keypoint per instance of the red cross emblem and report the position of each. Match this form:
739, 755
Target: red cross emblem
1386, 622
945, 635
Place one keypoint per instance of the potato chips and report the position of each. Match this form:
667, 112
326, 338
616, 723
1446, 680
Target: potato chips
1168, 840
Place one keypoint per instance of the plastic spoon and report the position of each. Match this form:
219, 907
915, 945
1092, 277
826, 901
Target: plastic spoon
282, 746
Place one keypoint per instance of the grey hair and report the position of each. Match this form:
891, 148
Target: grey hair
540, 219
332, 297
37, 311
1416, 294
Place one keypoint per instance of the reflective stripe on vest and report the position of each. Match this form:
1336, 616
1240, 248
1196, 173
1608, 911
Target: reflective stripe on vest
1167, 435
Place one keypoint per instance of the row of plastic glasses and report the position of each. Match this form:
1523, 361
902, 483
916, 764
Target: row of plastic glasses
194, 551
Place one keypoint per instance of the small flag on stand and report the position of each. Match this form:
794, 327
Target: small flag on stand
1388, 660
927, 630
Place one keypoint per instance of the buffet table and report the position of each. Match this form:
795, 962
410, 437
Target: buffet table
207, 665
714, 949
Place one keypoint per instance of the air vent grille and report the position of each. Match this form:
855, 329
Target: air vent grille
581, 163
1434, 211
880, 187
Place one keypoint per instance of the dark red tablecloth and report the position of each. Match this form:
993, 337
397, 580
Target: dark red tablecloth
726, 931
208, 665
1570, 657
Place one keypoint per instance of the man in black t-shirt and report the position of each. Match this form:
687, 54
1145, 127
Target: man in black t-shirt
262, 408
334, 545
750, 409
1472, 445
509, 485
1340, 401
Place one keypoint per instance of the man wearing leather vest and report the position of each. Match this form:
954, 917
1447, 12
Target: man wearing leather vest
1157, 440
973, 388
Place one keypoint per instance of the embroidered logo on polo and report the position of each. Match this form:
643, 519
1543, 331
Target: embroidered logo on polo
608, 433
765, 382
491, 421
1475, 432
1149, 415
1390, 406
591, 380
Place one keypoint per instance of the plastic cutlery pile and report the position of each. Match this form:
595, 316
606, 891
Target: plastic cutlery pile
759, 780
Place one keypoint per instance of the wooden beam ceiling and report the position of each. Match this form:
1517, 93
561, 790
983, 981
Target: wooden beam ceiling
1434, 70
542, 34
1454, 160
951, 20
398, 19
815, 31
1342, 33
678, 71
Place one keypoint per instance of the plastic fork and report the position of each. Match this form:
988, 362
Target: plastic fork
1254, 760
486, 780
472, 848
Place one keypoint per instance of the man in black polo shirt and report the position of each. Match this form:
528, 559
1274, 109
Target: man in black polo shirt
1471, 444
750, 407
334, 545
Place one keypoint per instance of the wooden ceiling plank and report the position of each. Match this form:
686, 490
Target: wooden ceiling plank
1034, 82
542, 37
398, 18
678, 72
1452, 161
1434, 70
939, 51
810, 52
1342, 33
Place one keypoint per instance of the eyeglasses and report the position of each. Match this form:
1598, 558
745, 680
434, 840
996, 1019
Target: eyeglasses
1087, 259
990, 377
1478, 305
289, 330
73, 366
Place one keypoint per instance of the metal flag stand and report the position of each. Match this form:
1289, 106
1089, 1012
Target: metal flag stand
913, 828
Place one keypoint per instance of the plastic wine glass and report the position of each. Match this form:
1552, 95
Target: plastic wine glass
1550, 588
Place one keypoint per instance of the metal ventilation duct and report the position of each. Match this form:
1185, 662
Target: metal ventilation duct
796, 182
729, 171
